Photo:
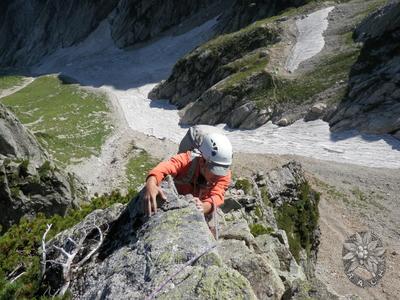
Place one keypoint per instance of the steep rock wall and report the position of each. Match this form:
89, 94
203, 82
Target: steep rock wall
372, 104
32, 29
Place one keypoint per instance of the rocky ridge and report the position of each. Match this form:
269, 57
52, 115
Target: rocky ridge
29, 181
136, 255
203, 82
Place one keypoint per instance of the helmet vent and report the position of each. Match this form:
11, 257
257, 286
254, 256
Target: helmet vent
214, 148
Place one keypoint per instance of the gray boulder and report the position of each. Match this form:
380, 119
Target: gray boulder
283, 184
317, 111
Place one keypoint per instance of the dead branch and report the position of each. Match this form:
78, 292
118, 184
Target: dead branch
15, 278
16, 273
68, 266
43, 262
87, 257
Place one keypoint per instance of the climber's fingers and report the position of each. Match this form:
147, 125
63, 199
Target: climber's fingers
161, 193
199, 204
154, 203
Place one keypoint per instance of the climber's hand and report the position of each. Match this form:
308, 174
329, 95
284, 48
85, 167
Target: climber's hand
150, 195
199, 204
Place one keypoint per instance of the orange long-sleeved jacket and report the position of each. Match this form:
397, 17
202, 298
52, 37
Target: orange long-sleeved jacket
186, 170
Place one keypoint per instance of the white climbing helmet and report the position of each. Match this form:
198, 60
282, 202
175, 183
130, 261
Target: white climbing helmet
217, 151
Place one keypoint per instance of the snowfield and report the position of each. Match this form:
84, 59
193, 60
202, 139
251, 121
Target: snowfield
128, 76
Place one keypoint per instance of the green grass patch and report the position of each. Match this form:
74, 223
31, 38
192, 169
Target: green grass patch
70, 122
20, 244
256, 35
138, 168
265, 196
299, 220
242, 69
245, 185
9, 81
258, 229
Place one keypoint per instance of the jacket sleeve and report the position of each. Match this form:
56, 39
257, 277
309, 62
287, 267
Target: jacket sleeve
172, 167
217, 192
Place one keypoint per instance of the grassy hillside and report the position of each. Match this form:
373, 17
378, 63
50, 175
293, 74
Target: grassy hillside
70, 122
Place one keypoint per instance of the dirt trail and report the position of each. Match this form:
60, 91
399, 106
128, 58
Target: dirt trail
14, 89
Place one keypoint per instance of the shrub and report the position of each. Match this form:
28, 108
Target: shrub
258, 229
300, 219
244, 184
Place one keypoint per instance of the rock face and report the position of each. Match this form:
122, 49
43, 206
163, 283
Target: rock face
372, 104
138, 255
245, 12
29, 181
137, 21
31, 29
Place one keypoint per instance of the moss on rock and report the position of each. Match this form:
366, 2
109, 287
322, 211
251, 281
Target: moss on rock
259, 229
244, 184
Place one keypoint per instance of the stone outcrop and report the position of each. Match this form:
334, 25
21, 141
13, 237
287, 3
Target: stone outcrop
200, 82
372, 104
29, 181
173, 254
139, 254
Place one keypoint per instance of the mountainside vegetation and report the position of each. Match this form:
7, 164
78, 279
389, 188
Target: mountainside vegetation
20, 246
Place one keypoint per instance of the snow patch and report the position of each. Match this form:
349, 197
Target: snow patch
310, 40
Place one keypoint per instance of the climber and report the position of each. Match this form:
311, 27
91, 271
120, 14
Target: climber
202, 172
194, 136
